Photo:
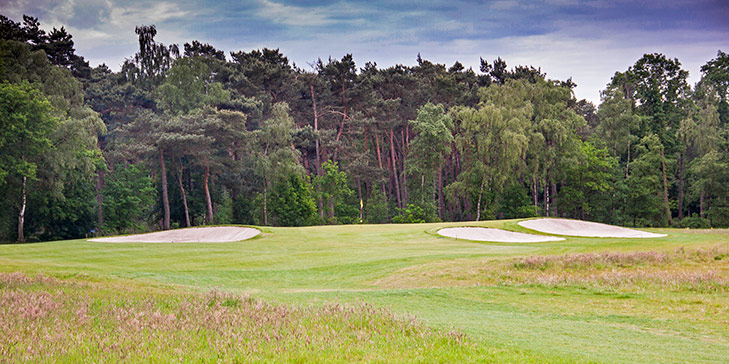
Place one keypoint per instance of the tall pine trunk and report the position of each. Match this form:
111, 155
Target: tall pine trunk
320, 201
535, 194
546, 198
21, 214
208, 200
394, 171
99, 200
184, 196
441, 200
480, 196
165, 198
361, 203
627, 163
680, 187
701, 204
554, 197
666, 204
265, 203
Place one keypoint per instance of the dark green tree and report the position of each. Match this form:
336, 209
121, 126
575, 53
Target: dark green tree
128, 199
292, 202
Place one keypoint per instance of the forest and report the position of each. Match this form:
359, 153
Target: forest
187, 135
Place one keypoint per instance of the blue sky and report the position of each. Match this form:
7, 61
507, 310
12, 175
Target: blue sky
585, 40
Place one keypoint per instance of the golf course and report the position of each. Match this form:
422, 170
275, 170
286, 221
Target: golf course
371, 293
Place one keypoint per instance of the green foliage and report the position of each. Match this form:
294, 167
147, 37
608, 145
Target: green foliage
589, 188
188, 86
694, 222
26, 130
712, 175
224, 212
128, 198
644, 205
515, 203
377, 209
410, 215
333, 187
292, 202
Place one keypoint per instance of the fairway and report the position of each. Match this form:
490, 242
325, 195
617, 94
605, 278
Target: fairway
603, 300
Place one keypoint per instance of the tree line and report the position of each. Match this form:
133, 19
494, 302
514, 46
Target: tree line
187, 136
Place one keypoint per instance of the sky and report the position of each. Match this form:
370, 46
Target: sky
586, 40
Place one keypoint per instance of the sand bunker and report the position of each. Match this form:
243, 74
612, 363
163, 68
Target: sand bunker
218, 234
584, 228
494, 235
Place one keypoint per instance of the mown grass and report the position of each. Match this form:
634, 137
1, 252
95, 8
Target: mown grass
579, 300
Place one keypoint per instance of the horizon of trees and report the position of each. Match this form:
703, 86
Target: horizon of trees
182, 136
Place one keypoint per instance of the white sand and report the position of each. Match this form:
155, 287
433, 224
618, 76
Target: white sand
584, 228
218, 234
494, 235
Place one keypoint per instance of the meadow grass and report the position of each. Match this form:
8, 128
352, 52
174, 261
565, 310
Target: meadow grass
601, 300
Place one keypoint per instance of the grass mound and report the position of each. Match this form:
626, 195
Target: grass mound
705, 270
701, 270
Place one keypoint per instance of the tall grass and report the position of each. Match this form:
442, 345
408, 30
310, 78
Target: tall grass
705, 270
43, 319
702, 270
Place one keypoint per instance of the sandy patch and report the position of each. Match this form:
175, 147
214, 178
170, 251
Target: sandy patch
494, 235
584, 228
217, 234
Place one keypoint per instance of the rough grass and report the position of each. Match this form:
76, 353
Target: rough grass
43, 319
703, 270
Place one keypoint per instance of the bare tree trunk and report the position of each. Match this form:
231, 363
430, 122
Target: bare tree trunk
394, 171
627, 163
701, 204
21, 214
361, 203
480, 195
316, 130
184, 197
265, 203
680, 187
404, 180
441, 200
165, 198
379, 160
667, 206
535, 193
546, 198
99, 200
554, 199
208, 200
330, 208
379, 154
422, 190
319, 201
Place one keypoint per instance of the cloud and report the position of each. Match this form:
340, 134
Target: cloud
295, 15
156, 14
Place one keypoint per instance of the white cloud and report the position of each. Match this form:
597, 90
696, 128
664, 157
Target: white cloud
293, 15
141, 14
302, 16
